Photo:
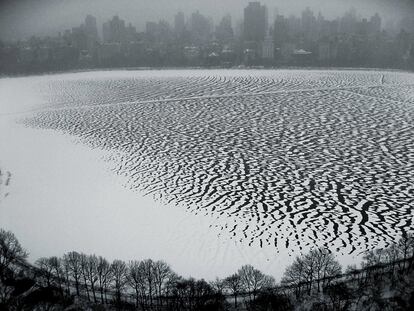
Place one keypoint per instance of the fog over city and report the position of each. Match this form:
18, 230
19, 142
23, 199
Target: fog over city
22, 19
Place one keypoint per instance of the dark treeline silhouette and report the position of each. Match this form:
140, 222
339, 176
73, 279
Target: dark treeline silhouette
313, 281
192, 41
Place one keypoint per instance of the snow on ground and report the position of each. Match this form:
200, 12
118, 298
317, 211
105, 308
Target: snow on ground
63, 197
238, 166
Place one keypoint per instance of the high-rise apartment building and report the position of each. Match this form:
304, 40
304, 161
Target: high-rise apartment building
255, 22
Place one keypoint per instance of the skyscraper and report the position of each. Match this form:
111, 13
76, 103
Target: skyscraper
91, 29
114, 31
281, 31
255, 22
200, 27
309, 24
179, 23
224, 30
375, 23
152, 30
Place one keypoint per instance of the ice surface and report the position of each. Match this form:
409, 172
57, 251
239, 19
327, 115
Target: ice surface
259, 164
64, 197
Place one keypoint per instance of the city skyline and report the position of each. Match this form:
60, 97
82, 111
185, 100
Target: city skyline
268, 19
196, 40
20, 20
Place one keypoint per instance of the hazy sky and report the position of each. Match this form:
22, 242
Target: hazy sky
22, 18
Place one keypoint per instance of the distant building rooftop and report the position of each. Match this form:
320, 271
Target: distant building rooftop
301, 52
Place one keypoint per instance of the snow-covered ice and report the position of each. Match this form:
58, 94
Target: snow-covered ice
237, 166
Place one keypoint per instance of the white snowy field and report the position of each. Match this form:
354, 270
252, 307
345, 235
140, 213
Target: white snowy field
63, 196
237, 166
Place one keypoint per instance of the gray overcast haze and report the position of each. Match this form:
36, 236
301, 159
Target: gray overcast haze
20, 19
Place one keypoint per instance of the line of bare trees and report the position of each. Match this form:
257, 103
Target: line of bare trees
385, 280
153, 285
100, 281
149, 284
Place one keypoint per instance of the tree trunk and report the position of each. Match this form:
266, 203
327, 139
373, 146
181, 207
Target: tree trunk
86, 287
106, 294
77, 287
102, 294
159, 294
93, 292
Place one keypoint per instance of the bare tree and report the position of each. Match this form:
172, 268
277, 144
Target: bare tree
325, 266
84, 273
234, 284
11, 252
46, 270
136, 280
406, 250
67, 273
52, 271
11, 255
103, 270
161, 271
148, 266
218, 285
171, 290
253, 280
72, 262
310, 268
92, 273
295, 275
57, 270
391, 258
318, 266
119, 272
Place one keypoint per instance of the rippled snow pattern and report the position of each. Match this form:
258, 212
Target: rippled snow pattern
287, 159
